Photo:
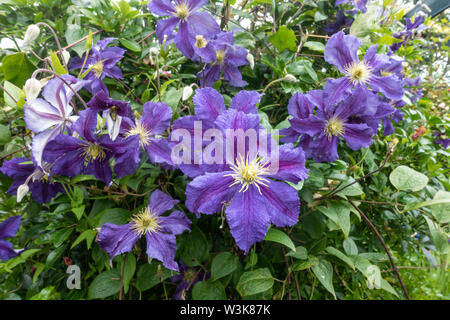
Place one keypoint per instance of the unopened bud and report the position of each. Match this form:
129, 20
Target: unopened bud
187, 92
251, 60
31, 34
66, 56
154, 51
32, 89
22, 190
290, 78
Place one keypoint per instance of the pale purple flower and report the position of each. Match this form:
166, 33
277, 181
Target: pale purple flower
8, 229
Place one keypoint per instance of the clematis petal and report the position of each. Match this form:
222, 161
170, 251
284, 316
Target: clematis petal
210, 75
341, 50
202, 23
40, 141
291, 164
312, 126
156, 117
116, 239
357, 136
246, 101
161, 7
326, 149
282, 203
162, 246
390, 86
159, 151
16, 169
209, 193
160, 202
300, 106
6, 250
248, 218
166, 27
208, 104
43, 192
40, 115
65, 152
175, 223
184, 40
336, 90
232, 74
9, 227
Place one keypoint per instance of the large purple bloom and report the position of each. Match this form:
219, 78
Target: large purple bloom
102, 63
408, 32
8, 229
342, 51
190, 22
222, 56
144, 133
158, 230
245, 184
26, 172
52, 116
332, 123
90, 154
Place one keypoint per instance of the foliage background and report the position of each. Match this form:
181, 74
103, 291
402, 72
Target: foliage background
337, 254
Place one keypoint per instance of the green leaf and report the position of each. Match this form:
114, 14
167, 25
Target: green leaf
283, 39
15, 92
279, 236
387, 287
253, 282
338, 254
315, 46
299, 253
405, 178
5, 135
56, 64
151, 274
54, 256
17, 68
339, 214
114, 215
440, 206
89, 235
208, 290
223, 264
193, 247
104, 285
324, 272
131, 45
302, 265
130, 268
48, 293
365, 23
350, 247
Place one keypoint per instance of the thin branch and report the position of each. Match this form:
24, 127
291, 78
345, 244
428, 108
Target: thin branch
372, 226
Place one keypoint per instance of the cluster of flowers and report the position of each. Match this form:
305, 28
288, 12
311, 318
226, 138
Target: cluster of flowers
243, 185
408, 32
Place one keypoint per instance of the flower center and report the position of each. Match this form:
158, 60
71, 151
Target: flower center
247, 173
93, 151
358, 72
200, 41
220, 56
145, 221
141, 130
181, 11
334, 127
189, 275
98, 69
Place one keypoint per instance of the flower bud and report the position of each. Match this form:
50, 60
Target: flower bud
187, 92
22, 190
251, 60
31, 34
32, 88
290, 78
66, 56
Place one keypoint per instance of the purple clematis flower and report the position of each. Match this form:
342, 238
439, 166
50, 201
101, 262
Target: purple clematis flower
26, 172
332, 123
158, 230
408, 32
69, 154
414, 89
113, 111
221, 56
8, 229
187, 278
190, 22
342, 51
145, 134
102, 62
357, 4
341, 22
245, 186
209, 104
52, 116
442, 139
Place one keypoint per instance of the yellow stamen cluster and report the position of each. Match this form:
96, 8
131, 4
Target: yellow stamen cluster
181, 11
358, 72
200, 41
220, 56
142, 131
334, 127
97, 68
93, 151
145, 221
248, 172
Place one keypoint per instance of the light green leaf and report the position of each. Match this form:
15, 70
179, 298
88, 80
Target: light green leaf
279, 236
56, 64
283, 39
315, 46
299, 253
405, 178
253, 282
17, 68
105, 284
338, 254
131, 45
223, 264
324, 272
339, 214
